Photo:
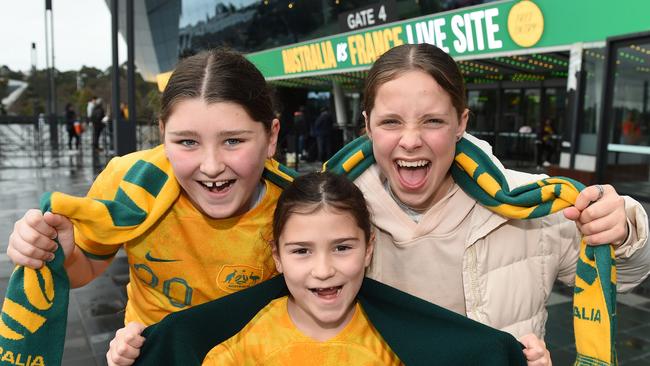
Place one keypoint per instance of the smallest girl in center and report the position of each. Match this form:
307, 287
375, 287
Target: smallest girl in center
323, 246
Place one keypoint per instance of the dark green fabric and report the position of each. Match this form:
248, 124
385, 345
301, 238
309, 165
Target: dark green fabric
422, 333
419, 332
185, 337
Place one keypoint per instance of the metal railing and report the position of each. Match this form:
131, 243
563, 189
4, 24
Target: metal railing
25, 142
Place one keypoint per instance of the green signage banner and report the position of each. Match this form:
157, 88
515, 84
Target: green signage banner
491, 28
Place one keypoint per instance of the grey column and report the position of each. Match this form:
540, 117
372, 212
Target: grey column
339, 106
126, 129
115, 73
570, 143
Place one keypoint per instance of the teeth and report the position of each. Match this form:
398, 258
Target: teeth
412, 164
319, 289
215, 184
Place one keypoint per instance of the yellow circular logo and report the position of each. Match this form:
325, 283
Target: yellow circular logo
525, 23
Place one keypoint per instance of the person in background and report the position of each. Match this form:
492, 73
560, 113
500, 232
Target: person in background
70, 120
544, 143
124, 112
322, 130
97, 119
301, 129
631, 130
89, 108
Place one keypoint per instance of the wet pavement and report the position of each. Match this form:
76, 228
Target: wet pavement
97, 309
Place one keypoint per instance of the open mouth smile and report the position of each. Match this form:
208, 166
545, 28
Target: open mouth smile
327, 293
412, 173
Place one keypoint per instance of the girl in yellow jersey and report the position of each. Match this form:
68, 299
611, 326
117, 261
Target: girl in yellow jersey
219, 133
323, 247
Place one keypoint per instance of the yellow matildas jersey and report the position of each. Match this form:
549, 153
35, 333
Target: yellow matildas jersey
186, 258
272, 339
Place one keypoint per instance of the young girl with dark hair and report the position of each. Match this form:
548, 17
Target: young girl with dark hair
323, 245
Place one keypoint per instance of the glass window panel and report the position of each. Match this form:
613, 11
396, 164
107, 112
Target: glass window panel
482, 105
531, 114
628, 121
511, 109
594, 68
629, 112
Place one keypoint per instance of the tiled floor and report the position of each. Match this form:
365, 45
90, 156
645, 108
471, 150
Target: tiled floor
96, 310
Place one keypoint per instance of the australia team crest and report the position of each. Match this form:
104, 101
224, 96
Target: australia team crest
233, 278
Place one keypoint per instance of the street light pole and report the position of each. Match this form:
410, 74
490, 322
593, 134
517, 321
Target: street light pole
49, 56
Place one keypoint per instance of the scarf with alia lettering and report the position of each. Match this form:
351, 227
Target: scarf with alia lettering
594, 300
35, 309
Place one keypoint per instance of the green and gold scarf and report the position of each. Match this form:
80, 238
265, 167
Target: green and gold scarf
594, 300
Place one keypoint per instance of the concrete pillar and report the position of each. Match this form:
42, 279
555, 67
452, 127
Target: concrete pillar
574, 84
339, 109
126, 127
339, 104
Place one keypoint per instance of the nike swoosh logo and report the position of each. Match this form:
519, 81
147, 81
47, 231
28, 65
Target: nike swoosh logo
153, 259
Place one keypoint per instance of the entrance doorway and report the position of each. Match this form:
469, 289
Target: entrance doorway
510, 99
511, 118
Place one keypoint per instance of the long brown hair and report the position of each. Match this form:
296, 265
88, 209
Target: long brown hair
423, 57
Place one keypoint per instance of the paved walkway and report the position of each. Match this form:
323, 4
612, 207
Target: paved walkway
97, 310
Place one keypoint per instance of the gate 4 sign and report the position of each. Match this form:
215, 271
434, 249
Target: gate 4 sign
371, 15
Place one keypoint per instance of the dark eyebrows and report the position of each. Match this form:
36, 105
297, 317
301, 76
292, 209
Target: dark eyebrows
297, 243
388, 116
391, 116
232, 133
183, 133
435, 116
310, 244
222, 134
342, 240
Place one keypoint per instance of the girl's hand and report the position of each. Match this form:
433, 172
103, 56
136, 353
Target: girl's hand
125, 347
31, 244
535, 351
599, 213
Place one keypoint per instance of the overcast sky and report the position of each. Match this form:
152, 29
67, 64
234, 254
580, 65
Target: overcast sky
82, 34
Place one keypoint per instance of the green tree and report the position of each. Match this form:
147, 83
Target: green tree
3, 87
